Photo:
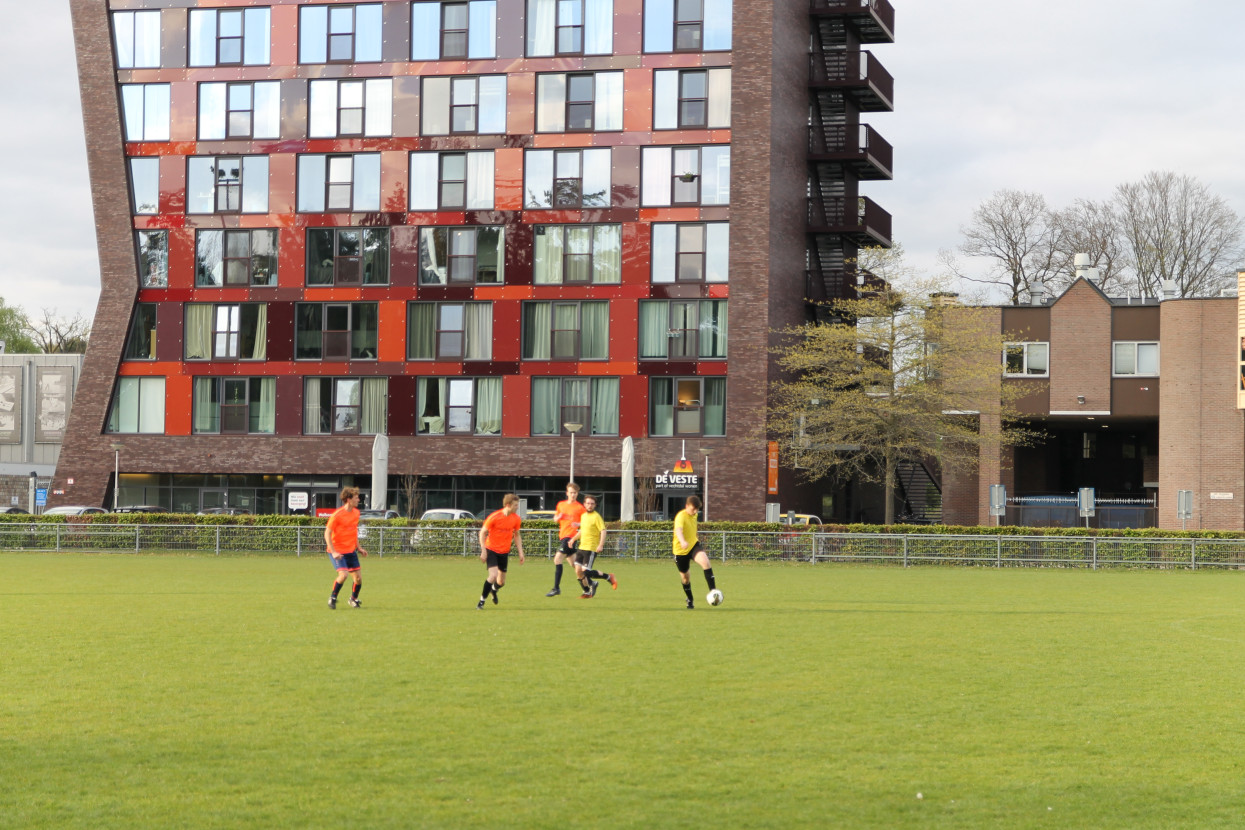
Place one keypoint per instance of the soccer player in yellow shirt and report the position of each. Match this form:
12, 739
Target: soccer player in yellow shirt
688, 548
591, 539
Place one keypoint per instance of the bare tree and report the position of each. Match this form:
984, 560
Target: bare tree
1174, 228
60, 335
1019, 235
1089, 227
414, 497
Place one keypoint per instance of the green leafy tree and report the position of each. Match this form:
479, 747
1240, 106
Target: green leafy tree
14, 326
897, 375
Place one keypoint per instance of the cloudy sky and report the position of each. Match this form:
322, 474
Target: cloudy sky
1068, 98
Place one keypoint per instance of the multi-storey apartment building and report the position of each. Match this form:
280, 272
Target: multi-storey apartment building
462, 225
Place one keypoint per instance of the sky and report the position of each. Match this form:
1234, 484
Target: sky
1066, 98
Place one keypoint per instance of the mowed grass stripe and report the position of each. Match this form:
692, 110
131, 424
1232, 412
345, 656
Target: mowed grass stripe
167, 691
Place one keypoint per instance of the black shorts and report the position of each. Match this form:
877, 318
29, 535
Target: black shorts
565, 546
683, 561
500, 561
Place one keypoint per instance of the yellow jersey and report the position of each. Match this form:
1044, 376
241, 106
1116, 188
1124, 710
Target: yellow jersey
687, 523
591, 527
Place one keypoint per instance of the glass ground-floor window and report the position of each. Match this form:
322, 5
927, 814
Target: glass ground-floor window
687, 406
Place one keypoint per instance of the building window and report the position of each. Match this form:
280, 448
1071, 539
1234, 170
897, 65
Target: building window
687, 406
137, 40
687, 25
452, 181
453, 30
339, 34
235, 257
449, 331
227, 184
1026, 359
458, 406
463, 105
345, 406
685, 175
462, 255
570, 27
566, 331
153, 259
577, 254
328, 183
691, 99
682, 329
566, 178
350, 108
239, 110
1135, 358
335, 331
579, 102
691, 252
347, 256
226, 331
145, 184
592, 402
229, 37
137, 406
141, 344
235, 406
146, 111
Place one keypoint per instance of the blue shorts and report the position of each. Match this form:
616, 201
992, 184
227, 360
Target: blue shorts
348, 562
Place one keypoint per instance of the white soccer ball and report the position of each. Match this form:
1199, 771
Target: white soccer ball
714, 597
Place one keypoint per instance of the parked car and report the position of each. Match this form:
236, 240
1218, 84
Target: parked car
447, 514
799, 519
224, 511
540, 515
13, 510
433, 538
366, 516
141, 508
72, 510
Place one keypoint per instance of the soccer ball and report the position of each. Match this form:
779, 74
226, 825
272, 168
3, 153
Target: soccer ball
714, 597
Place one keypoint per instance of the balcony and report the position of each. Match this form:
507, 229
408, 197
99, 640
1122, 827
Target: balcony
857, 75
859, 147
859, 218
873, 20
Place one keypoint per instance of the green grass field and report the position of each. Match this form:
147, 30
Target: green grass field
163, 691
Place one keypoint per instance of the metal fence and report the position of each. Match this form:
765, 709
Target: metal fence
889, 549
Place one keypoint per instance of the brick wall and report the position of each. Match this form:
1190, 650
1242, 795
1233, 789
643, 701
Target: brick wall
1080, 350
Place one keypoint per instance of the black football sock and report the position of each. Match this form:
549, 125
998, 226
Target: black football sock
596, 575
557, 575
337, 586
488, 589
687, 589
709, 578
354, 592
497, 588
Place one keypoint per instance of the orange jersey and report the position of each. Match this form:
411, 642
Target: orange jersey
501, 529
568, 514
344, 529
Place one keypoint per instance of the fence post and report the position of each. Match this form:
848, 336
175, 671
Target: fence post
381, 552
998, 551
298, 540
635, 535
1193, 552
136, 548
58, 538
905, 550
218, 540
1094, 542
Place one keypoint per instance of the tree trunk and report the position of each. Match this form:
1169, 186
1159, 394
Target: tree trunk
888, 490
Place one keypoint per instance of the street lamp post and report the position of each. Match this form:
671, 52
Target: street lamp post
705, 452
116, 473
572, 429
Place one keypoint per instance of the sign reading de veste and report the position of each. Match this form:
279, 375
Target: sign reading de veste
677, 481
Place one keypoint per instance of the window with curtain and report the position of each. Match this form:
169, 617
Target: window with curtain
137, 406
230, 37
687, 25
447, 30
235, 257
226, 331
351, 107
239, 110
683, 329
570, 27
347, 256
338, 182
463, 105
566, 331
227, 184
685, 175
579, 102
691, 99
577, 254
687, 406
345, 406
340, 33
451, 181
136, 36
336, 331
1135, 358
567, 178
464, 255
145, 111
234, 405
561, 400
690, 252
458, 406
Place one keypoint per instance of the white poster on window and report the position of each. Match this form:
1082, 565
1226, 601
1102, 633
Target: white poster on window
52, 403
10, 404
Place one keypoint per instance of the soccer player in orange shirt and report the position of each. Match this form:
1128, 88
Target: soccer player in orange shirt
341, 540
499, 534
567, 516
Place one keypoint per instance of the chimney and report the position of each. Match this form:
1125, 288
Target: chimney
1081, 263
1169, 289
1037, 292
